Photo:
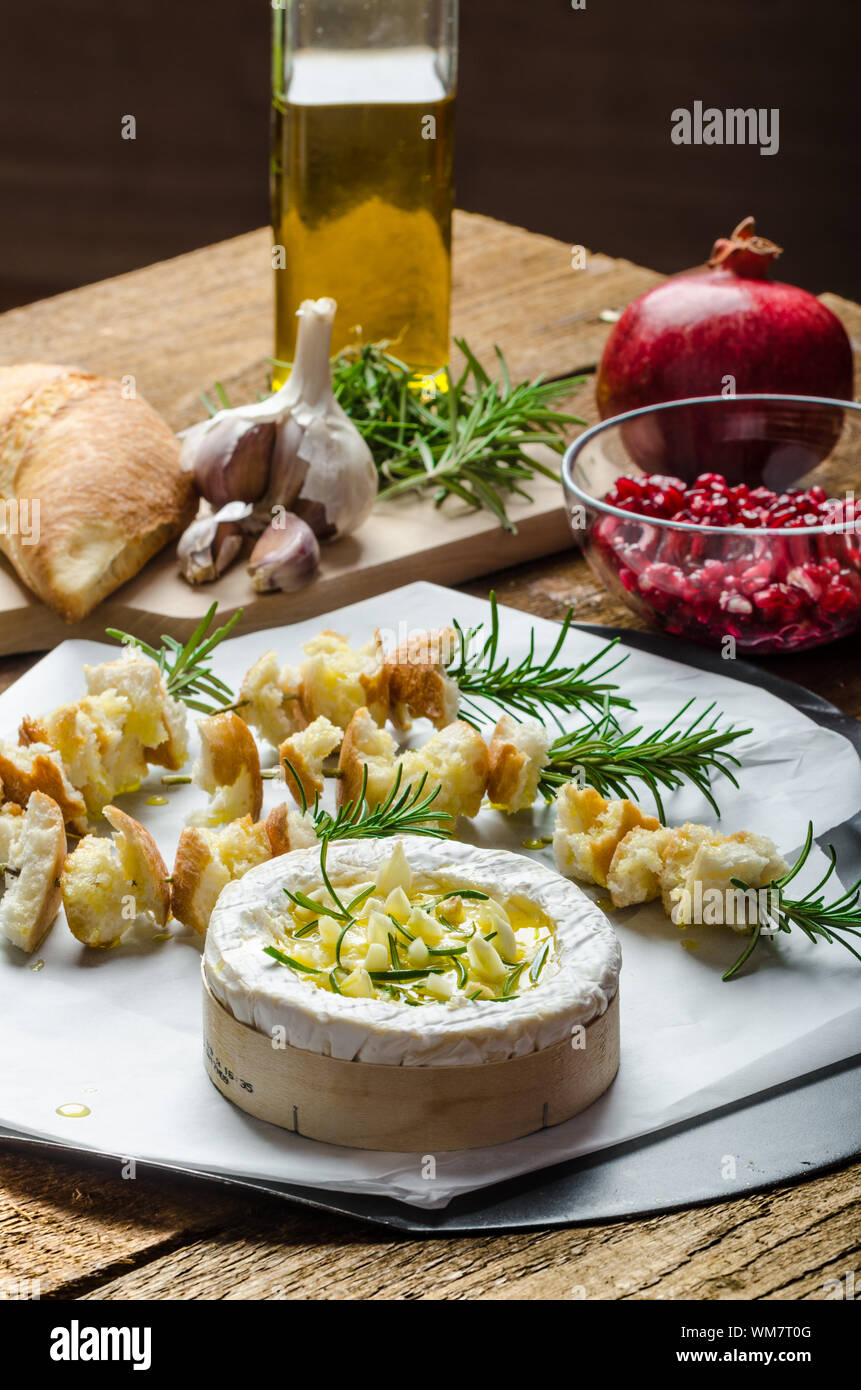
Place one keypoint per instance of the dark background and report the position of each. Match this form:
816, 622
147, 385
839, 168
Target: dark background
563, 127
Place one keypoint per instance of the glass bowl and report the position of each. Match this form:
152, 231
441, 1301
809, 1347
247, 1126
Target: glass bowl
769, 589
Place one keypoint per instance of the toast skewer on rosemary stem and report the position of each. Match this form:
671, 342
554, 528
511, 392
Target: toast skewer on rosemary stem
405, 811
186, 670
818, 920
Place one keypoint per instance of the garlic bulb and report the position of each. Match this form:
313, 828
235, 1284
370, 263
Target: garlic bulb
286, 555
210, 543
319, 465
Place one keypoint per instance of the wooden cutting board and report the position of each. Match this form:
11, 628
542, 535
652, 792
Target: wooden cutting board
179, 326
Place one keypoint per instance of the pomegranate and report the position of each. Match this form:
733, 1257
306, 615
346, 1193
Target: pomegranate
727, 329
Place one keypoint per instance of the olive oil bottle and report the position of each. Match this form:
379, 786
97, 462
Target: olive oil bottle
362, 185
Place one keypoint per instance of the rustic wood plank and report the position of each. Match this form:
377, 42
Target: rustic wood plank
64, 1222
82, 1231
783, 1244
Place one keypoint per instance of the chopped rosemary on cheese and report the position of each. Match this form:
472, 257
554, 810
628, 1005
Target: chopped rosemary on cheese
395, 940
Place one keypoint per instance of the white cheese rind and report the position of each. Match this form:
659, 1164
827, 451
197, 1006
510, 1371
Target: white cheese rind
267, 996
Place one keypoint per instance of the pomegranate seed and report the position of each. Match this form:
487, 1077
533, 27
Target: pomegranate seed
803, 578
769, 592
734, 603
837, 596
629, 487
665, 482
755, 577
713, 481
770, 599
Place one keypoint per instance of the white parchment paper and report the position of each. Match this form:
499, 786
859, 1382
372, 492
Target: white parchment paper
119, 1031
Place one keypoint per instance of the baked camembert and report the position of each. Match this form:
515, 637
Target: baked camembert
424, 952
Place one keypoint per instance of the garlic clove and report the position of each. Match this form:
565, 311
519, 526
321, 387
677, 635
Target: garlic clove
314, 514
231, 460
210, 543
286, 474
286, 555
287, 470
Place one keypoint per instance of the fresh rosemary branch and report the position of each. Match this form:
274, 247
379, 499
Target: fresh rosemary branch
466, 437
820, 921
406, 812
186, 669
531, 687
608, 759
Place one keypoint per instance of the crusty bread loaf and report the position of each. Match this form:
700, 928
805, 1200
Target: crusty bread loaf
104, 468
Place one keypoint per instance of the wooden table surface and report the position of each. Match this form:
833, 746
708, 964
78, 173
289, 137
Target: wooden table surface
80, 1229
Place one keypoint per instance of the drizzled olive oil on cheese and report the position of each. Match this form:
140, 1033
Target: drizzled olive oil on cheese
362, 200
417, 947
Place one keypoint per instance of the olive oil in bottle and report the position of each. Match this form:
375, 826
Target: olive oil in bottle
362, 198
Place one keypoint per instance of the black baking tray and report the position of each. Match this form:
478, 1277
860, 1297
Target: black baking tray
791, 1131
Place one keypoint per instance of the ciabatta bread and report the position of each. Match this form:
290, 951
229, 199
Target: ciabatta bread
104, 469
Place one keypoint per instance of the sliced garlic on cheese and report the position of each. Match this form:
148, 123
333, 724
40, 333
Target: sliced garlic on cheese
377, 957
358, 985
398, 905
442, 986
422, 924
379, 927
418, 953
395, 872
485, 959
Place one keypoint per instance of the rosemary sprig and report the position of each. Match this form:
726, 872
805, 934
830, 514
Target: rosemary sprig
468, 439
512, 978
820, 921
283, 959
406, 812
402, 977
186, 669
538, 963
609, 759
530, 687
